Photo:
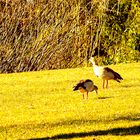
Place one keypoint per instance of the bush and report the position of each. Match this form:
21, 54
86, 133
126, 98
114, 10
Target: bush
38, 35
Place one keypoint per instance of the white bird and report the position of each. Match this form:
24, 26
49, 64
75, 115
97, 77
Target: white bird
85, 86
105, 73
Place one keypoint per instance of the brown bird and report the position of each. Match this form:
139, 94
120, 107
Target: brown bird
85, 86
105, 73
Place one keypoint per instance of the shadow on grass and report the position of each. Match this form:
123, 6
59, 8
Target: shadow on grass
135, 130
130, 85
103, 98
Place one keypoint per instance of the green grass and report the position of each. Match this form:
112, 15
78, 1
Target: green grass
43, 105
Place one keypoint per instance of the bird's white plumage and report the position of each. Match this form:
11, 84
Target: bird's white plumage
105, 73
101, 72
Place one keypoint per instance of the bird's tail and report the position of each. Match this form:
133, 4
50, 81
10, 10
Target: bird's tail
96, 89
117, 77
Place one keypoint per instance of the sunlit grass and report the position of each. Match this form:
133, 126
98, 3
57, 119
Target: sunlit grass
43, 105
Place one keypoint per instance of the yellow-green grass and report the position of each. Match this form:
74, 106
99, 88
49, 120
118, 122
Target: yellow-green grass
42, 105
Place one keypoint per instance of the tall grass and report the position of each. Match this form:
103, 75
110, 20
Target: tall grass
37, 35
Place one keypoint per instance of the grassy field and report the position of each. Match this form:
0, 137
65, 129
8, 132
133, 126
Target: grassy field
42, 105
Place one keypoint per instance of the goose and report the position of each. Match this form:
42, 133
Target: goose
85, 86
105, 73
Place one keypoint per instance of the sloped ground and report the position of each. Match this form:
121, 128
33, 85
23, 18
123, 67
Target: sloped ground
42, 105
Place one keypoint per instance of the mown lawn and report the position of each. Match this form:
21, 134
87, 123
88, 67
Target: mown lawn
42, 105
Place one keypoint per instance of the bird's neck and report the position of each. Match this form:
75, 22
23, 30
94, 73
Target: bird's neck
93, 63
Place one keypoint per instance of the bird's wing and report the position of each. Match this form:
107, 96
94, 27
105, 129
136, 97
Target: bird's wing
88, 80
88, 85
115, 74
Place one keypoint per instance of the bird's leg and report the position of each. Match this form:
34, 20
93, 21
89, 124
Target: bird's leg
96, 92
103, 83
106, 83
87, 95
83, 95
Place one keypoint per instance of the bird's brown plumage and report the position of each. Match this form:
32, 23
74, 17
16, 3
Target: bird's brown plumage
105, 73
117, 76
85, 86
